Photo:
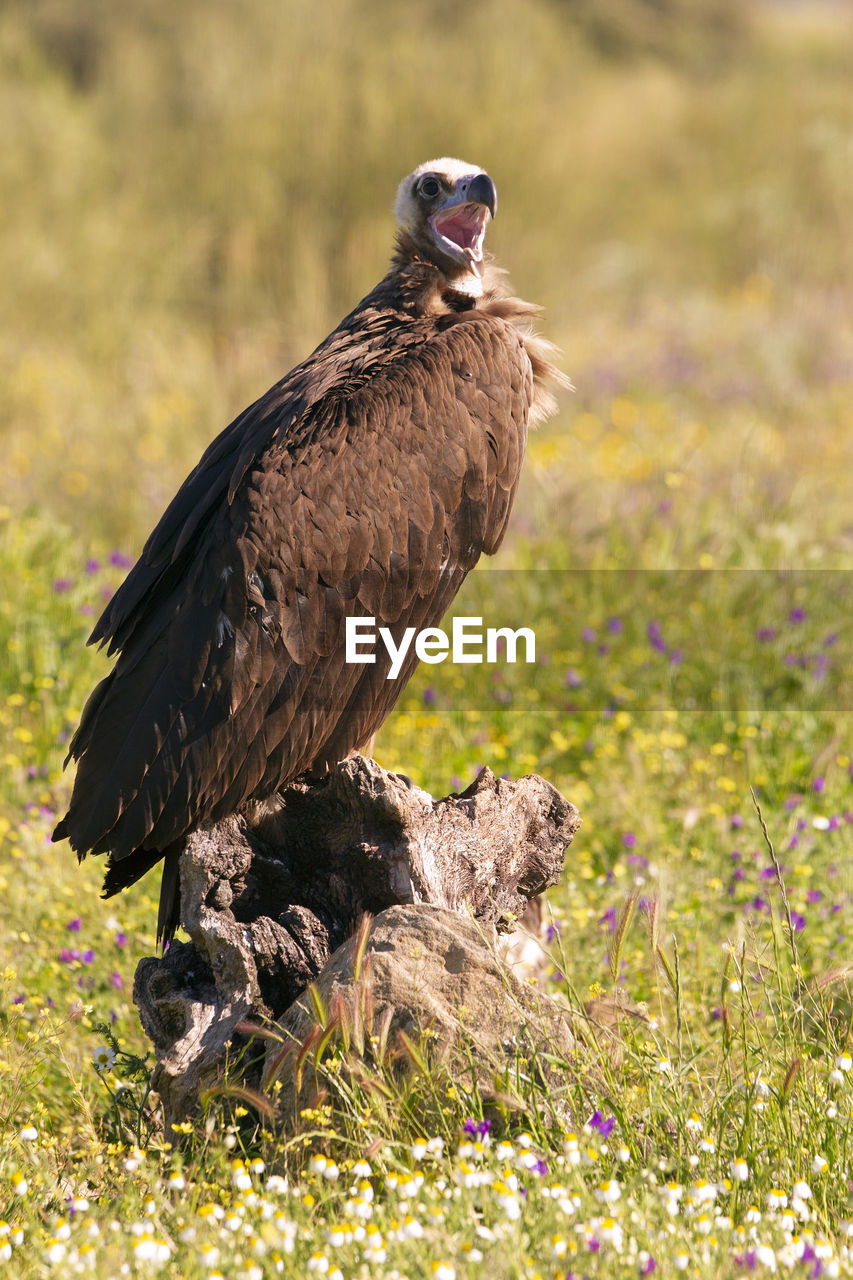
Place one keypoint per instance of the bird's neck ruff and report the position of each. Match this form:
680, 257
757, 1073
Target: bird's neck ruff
425, 289
415, 261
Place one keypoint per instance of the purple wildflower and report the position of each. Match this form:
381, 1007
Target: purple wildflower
765, 634
629, 839
615, 626
92, 565
819, 784
797, 615
429, 696
588, 635
798, 922
648, 1267
602, 1125
574, 679
809, 1255
120, 560
737, 820
74, 925
655, 635
62, 584
120, 939
116, 981
477, 1128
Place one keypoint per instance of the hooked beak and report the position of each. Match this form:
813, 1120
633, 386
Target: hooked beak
459, 226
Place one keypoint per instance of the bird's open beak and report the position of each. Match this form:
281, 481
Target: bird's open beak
459, 226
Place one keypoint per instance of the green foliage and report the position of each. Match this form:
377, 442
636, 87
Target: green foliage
132, 1121
193, 195
695, 34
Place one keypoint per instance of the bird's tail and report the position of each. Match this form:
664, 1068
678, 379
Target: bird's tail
122, 872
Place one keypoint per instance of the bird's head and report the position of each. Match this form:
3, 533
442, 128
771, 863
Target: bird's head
442, 209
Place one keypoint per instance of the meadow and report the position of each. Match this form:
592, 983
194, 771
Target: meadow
192, 198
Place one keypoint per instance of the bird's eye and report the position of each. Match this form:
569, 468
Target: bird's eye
429, 187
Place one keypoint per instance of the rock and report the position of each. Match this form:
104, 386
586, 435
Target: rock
422, 970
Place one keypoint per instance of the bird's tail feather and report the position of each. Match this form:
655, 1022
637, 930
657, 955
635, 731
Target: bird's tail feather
123, 872
169, 913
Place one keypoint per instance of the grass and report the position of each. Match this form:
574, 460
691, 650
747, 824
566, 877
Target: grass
179, 232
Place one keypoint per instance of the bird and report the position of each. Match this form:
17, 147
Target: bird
365, 483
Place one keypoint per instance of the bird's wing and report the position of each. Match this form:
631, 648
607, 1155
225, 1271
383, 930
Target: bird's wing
232, 677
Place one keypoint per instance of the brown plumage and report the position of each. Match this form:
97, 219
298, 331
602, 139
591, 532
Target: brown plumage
367, 482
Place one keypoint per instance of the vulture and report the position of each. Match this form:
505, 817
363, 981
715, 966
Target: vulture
366, 483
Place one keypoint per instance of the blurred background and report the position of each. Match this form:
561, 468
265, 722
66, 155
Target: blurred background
193, 194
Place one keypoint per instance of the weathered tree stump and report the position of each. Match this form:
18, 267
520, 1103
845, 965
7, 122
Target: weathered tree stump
267, 901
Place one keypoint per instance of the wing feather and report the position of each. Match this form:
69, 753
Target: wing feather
335, 495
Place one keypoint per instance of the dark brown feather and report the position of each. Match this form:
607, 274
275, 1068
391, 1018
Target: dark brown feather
365, 483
